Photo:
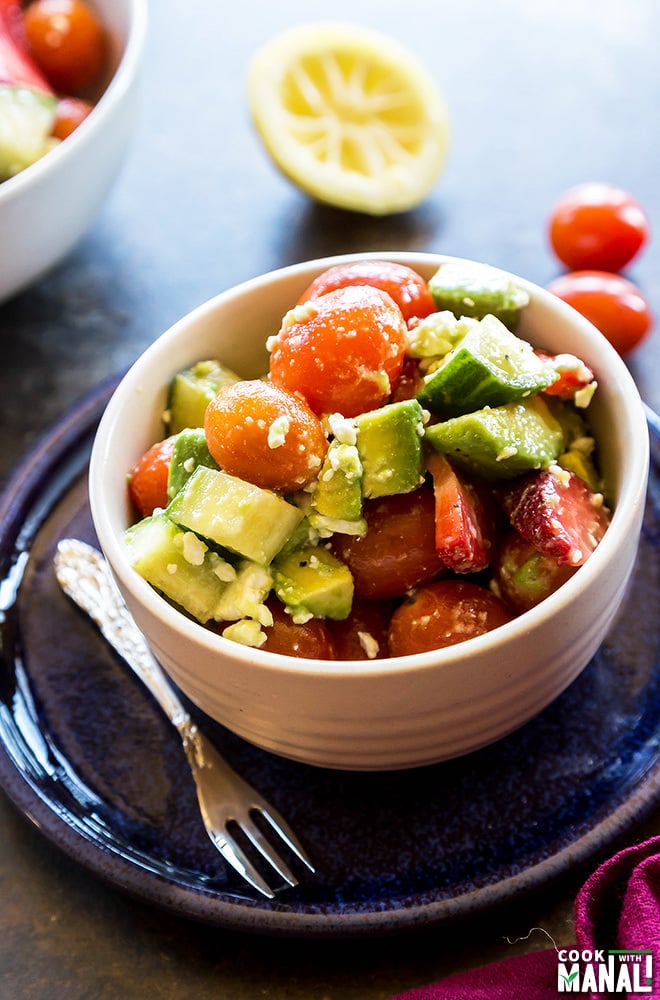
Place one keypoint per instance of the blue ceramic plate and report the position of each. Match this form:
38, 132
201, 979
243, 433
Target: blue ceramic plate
86, 754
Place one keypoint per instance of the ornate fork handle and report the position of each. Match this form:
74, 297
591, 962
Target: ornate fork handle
223, 796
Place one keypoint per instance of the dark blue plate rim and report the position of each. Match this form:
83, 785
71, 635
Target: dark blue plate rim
464, 888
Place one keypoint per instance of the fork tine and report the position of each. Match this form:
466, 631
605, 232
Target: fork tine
281, 827
240, 862
266, 850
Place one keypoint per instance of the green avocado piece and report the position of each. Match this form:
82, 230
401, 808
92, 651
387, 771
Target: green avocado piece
389, 443
337, 498
488, 367
192, 390
500, 442
312, 582
190, 450
239, 516
477, 290
178, 564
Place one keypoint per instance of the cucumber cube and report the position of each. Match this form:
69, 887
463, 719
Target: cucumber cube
192, 390
179, 565
488, 367
477, 290
235, 514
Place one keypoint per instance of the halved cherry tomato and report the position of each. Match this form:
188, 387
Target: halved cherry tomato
597, 226
398, 549
69, 114
67, 41
342, 351
265, 435
407, 288
311, 639
363, 635
147, 483
612, 303
443, 613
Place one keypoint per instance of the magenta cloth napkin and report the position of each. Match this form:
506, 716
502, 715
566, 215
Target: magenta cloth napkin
617, 909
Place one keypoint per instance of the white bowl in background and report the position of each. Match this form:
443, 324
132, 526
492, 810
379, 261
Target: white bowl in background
46, 208
384, 713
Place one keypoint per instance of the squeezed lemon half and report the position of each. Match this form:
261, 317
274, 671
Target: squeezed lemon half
350, 116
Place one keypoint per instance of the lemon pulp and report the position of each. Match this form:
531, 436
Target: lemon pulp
350, 116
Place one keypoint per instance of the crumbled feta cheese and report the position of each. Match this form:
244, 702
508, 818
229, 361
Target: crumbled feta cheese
278, 431
343, 428
506, 453
172, 568
369, 645
563, 476
189, 464
299, 314
194, 549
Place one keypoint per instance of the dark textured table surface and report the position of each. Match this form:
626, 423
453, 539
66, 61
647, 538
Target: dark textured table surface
541, 96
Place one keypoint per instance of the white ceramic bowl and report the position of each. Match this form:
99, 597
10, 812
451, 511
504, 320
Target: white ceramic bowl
388, 713
45, 209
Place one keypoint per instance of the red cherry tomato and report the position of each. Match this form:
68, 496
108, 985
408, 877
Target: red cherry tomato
342, 352
259, 432
407, 288
67, 41
598, 227
442, 614
312, 639
398, 549
612, 303
363, 635
70, 112
147, 483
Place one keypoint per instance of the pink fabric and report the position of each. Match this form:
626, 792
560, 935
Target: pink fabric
618, 907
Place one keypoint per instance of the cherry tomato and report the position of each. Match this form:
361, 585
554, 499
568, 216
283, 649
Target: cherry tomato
598, 227
612, 303
312, 639
342, 351
524, 575
363, 635
443, 613
67, 41
398, 549
265, 435
407, 288
147, 483
70, 112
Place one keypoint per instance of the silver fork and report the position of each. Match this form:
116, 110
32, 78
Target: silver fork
226, 801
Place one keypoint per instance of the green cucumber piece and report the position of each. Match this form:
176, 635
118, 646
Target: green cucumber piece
26, 121
488, 367
179, 565
500, 442
239, 516
389, 443
192, 390
312, 583
477, 290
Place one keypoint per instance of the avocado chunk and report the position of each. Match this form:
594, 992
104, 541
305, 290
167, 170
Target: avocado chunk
239, 516
500, 442
179, 565
190, 450
337, 498
477, 290
312, 582
488, 367
389, 443
436, 334
192, 390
